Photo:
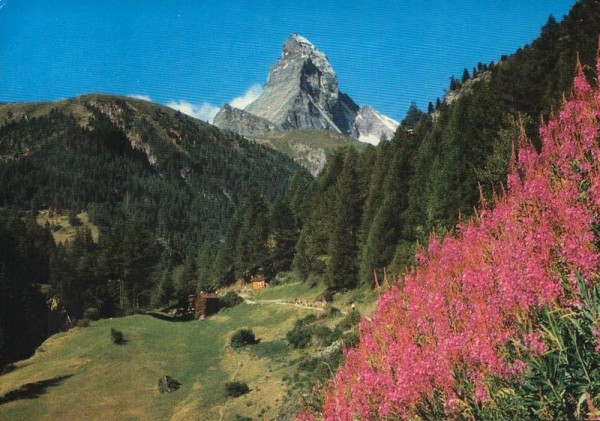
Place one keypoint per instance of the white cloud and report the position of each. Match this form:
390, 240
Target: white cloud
205, 111
251, 94
137, 96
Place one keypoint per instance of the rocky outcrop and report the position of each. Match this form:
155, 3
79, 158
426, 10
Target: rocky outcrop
242, 122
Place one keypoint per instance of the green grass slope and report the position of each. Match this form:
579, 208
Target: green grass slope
309, 147
81, 374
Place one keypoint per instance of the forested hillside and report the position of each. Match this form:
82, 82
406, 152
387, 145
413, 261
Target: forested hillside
122, 158
366, 212
158, 184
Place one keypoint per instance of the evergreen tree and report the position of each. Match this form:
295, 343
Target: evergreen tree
165, 290
205, 268
413, 116
465, 76
224, 267
184, 278
342, 248
281, 242
454, 84
251, 251
311, 249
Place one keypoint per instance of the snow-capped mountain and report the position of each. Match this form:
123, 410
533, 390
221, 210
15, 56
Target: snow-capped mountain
370, 125
302, 92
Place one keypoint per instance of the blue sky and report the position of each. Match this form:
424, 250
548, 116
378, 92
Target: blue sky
195, 55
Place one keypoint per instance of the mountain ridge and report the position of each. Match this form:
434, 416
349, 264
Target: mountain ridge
73, 143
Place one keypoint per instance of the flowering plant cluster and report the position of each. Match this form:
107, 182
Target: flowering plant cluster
455, 319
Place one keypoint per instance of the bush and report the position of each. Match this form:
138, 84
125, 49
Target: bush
351, 340
327, 296
117, 336
321, 369
83, 323
299, 336
230, 299
74, 219
308, 319
324, 336
349, 321
282, 278
242, 338
235, 389
333, 311
91, 313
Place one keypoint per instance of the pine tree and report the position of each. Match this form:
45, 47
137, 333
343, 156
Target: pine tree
281, 242
224, 266
205, 268
342, 249
430, 108
311, 249
465, 76
251, 247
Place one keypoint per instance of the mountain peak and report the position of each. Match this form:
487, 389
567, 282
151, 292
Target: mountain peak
294, 39
301, 92
296, 46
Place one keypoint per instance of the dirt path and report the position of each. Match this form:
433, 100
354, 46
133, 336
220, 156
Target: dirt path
247, 300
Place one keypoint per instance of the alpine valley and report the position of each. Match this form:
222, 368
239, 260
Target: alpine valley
442, 267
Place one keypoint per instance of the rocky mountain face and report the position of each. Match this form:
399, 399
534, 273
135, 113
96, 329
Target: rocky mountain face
242, 122
302, 93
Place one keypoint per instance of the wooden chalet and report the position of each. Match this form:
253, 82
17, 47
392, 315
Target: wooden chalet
203, 305
259, 282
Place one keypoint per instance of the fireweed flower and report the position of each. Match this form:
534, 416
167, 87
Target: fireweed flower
457, 310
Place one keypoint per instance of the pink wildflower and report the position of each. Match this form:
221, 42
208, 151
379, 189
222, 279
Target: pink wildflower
457, 309
534, 342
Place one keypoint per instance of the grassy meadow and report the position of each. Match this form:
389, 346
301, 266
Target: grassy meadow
81, 374
61, 228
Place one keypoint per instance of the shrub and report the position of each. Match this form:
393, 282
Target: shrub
324, 336
91, 313
117, 336
351, 340
235, 389
74, 219
327, 296
332, 311
230, 299
321, 369
242, 338
308, 319
282, 278
83, 323
349, 321
299, 336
